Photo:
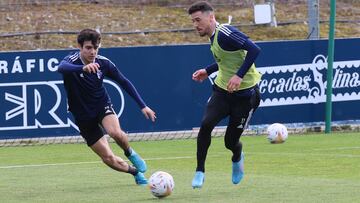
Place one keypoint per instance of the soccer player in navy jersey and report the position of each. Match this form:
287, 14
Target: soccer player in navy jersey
235, 91
83, 73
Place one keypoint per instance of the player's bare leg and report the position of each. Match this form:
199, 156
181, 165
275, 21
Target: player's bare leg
102, 149
112, 127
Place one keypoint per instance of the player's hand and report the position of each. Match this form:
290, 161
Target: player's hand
199, 75
148, 113
234, 83
91, 68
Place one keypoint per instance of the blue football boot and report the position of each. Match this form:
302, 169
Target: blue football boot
238, 170
140, 179
198, 180
137, 161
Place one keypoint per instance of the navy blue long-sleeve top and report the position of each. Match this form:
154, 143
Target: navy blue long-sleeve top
86, 93
232, 39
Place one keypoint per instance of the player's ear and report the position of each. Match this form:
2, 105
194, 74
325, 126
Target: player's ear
212, 16
97, 46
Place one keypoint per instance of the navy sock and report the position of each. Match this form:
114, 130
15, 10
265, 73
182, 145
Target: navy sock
128, 152
132, 170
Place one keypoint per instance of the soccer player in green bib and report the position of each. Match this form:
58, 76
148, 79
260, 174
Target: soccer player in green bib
235, 90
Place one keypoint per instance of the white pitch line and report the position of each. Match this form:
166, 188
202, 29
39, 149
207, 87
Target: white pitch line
305, 154
170, 158
336, 148
86, 162
54, 164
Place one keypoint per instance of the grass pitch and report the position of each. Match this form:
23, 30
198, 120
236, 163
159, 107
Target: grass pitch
307, 168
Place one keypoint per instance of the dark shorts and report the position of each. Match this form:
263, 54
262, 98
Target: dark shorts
92, 130
237, 106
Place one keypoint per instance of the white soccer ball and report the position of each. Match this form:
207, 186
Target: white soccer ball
277, 133
161, 184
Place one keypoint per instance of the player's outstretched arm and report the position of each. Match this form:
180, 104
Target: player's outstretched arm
149, 113
125, 83
67, 67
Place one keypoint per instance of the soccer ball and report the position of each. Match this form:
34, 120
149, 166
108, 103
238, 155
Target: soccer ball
277, 133
161, 184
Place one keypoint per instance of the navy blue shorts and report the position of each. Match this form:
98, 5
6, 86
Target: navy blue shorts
91, 130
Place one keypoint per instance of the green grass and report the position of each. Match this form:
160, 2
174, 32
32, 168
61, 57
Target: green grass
309, 168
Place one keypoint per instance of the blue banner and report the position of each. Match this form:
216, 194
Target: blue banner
293, 86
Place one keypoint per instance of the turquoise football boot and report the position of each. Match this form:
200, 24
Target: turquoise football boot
198, 180
137, 161
238, 170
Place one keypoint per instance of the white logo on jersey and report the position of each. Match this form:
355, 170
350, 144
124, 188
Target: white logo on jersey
99, 74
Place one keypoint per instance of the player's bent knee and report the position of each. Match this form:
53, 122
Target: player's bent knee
229, 146
116, 133
207, 125
119, 137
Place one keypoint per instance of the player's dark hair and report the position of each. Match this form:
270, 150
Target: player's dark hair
202, 6
89, 35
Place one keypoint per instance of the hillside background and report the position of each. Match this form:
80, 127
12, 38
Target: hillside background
51, 24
